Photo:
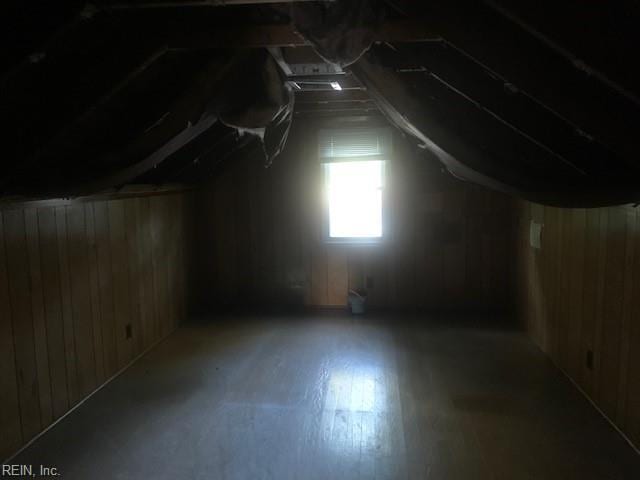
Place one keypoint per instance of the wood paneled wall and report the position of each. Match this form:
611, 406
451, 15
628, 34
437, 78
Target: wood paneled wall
74, 279
579, 293
450, 244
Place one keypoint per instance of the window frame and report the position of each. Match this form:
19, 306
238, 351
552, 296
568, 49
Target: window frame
386, 166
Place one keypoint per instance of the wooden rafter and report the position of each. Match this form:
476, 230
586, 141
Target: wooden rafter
183, 123
284, 35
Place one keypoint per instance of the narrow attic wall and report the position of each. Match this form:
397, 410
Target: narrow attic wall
75, 279
261, 243
579, 302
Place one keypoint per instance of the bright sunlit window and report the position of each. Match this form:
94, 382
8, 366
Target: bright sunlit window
355, 199
354, 171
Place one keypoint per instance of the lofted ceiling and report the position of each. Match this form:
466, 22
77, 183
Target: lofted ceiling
539, 99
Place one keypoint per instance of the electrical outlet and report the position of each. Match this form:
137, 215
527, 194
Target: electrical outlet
128, 331
589, 359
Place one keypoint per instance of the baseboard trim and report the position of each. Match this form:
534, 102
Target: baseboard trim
586, 395
593, 403
72, 409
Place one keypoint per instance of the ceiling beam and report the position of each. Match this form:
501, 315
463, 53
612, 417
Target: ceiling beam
276, 53
184, 122
508, 105
570, 57
284, 35
478, 148
69, 130
340, 105
337, 113
330, 96
194, 3
131, 172
509, 53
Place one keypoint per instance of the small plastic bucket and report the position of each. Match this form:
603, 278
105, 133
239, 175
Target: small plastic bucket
357, 302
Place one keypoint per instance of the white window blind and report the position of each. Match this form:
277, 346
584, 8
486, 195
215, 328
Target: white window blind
370, 143
354, 170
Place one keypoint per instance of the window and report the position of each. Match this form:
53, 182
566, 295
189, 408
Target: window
354, 171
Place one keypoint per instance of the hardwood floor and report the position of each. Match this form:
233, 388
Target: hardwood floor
329, 397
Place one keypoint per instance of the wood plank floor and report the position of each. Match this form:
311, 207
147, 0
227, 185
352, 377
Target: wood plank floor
326, 397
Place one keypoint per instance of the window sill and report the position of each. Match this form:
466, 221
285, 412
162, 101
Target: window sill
355, 241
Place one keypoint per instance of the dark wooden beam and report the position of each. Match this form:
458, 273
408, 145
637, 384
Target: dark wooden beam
127, 174
191, 3
47, 46
476, 147
398, 101
519, 112
212, 161
332, 96
284, 35
187, 161
80, 72
336, 112
184, 122
520, 60
68, 131
257, 36
574, 60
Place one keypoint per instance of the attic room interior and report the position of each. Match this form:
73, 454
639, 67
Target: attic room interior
366, 239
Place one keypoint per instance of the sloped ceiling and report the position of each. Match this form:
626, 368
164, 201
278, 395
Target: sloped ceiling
539, 99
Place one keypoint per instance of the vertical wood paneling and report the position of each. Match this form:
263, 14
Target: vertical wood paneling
242, 209
131, 223
148, 306
94, 286
402, 269
551, 255
173, 259
81, 300
265, 239
337, 276
628, 299
71, 278
576, 252
356, 269
157, 214
181, 225
168, 259
380, 294
120, 272
565, 278
319, 277
454, 254
11, 437
611, 320
448, 245
67, 312
39, 324
53, 310
473, 271
590, 316
600, 300
252, 241
631, 414
590, 258
539, 306
22, 321
433, 258
105, 282
280, 237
